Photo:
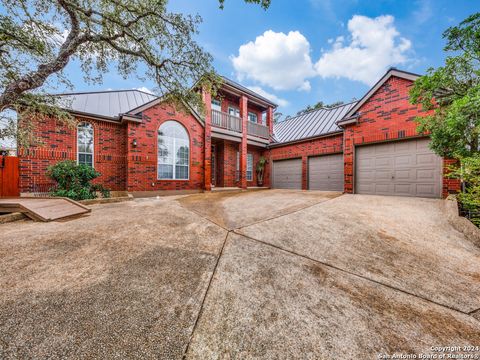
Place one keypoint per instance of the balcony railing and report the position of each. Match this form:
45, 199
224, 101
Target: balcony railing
257, 130
234, 123
226, 121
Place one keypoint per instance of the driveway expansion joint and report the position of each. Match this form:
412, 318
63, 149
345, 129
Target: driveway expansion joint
357, 275
286, 214
202, 304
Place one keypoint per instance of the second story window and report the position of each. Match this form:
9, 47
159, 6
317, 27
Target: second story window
216, 105
252, 117
234, 111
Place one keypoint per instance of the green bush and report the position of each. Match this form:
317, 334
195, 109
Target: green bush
73, 181
469, 198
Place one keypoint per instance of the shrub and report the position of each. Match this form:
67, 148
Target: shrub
469, 198
73, 181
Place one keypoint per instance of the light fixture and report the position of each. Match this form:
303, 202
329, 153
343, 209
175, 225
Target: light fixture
134, 143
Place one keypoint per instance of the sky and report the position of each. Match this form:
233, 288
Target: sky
299, 52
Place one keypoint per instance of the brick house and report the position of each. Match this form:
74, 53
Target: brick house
141, 144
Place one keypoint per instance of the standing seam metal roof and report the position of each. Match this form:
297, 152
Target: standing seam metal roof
313, 123
104, 103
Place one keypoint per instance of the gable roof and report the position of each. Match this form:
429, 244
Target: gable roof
351, 115
105, 104
241, 88
311, 124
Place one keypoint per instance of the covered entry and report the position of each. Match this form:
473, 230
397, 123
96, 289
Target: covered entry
287, 174
403, 168
325, 172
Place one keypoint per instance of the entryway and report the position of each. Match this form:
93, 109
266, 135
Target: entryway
9, 176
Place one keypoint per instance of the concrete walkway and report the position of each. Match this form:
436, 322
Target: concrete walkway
266, 274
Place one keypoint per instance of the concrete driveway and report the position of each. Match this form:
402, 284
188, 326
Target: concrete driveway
266, 274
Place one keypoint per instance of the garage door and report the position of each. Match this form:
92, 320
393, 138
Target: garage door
325, 173
404, 168
287, 174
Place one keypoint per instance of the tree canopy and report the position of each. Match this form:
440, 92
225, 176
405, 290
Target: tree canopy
319, 105
143, 38
452, 92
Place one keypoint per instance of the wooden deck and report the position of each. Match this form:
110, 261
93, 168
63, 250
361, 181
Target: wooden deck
43, 209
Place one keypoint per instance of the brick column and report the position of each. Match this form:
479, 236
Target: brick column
348, 158
243, 145
304, 172
207, 100
270, 119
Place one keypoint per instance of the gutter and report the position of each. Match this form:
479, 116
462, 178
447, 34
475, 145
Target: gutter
348, 121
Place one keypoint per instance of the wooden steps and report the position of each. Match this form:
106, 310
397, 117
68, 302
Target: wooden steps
43, 209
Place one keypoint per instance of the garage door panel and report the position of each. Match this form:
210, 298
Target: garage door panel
404, 175
402, 189
383, 162
425, 174
403, 160
425, 159
287, 174
325, 173
404, 168
382, 175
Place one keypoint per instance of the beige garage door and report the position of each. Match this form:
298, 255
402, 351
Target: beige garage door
404, 168
287, 174
325, 173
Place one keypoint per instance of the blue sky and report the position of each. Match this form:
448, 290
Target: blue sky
305, 51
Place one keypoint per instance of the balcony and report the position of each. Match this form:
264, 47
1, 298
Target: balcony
258, 130
234, 123
226, 121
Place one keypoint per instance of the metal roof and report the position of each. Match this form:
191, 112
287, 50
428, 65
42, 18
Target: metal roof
311, 124
109, 104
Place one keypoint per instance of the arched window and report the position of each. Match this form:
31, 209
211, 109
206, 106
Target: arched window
173, 151
85, 144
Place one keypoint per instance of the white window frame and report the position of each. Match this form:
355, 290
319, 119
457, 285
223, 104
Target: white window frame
255, 115
237, 173
216, 105
93, 144
174, 158
249, 167
236, 111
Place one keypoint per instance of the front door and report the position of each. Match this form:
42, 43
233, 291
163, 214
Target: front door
214, 166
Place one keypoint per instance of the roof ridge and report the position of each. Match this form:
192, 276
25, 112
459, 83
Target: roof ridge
322, 108
103, 92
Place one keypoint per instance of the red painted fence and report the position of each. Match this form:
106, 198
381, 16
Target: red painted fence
9, 176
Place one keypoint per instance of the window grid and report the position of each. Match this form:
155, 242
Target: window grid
216, 105
252, 117
85, 144
173, 152
237, 174
249, 167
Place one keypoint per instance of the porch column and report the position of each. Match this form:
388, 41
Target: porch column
207, 100
243, 145
270, 119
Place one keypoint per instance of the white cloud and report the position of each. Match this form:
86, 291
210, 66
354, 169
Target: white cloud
281, 61
145, 89
269, 96
374, 46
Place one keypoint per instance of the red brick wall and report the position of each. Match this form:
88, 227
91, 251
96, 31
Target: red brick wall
58, 142
142, 160
387, 115
327, 145
230, 163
